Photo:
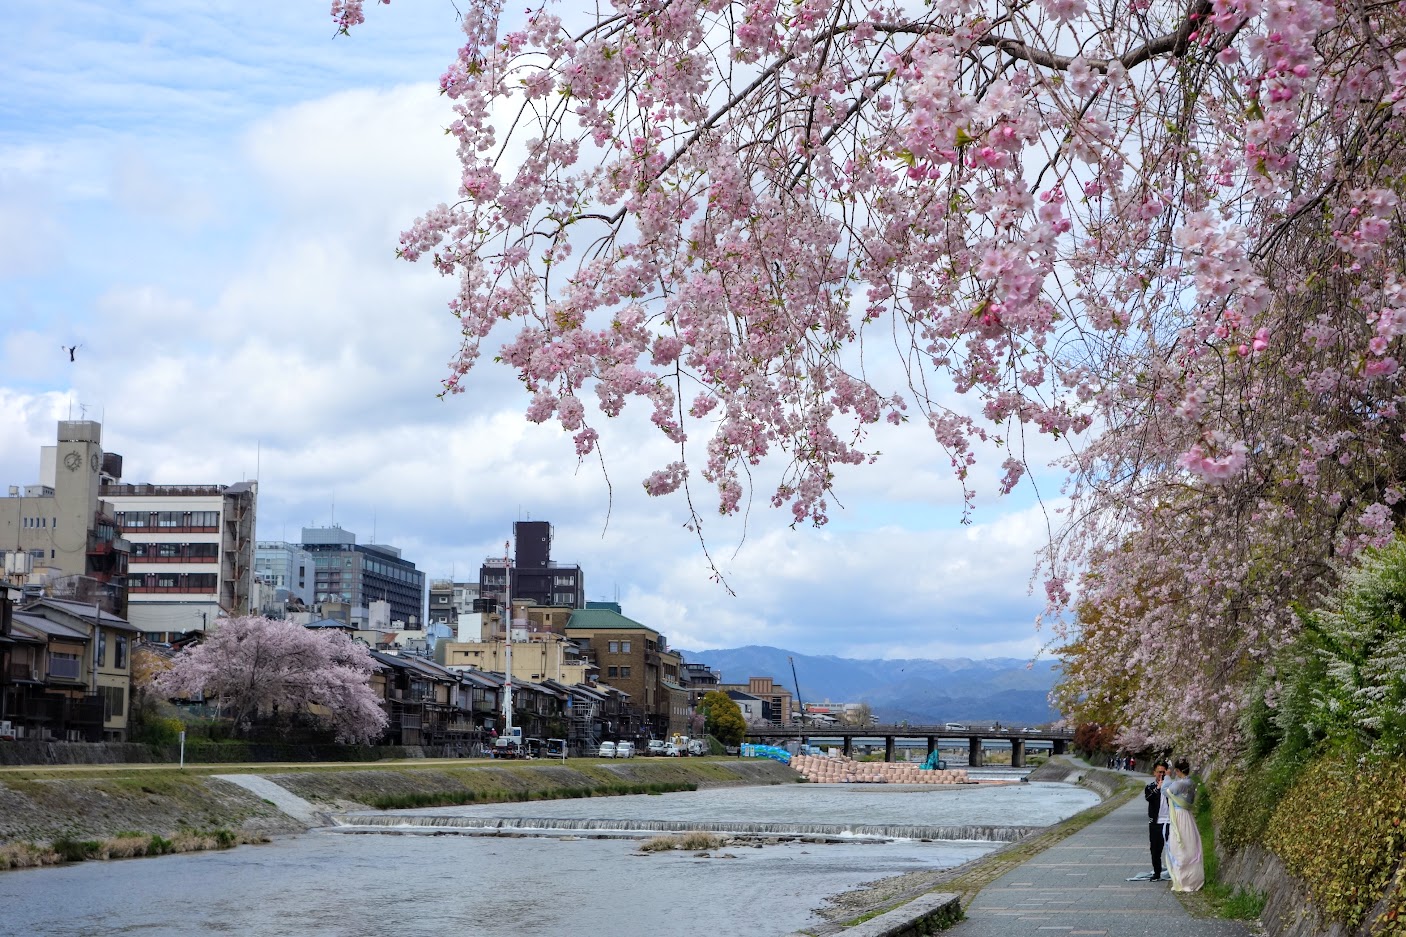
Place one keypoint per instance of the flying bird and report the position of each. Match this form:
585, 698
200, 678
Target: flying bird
71, 349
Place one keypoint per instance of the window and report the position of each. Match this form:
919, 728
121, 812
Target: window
624, 671
120, 661
102, 648
612, 671
624, 647
114, 702
615, 647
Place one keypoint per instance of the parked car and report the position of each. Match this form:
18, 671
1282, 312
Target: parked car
697, 747
671, 750
624, 749
606, 750
656, 747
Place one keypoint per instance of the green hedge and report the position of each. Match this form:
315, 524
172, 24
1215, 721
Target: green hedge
206, 751
1336, 824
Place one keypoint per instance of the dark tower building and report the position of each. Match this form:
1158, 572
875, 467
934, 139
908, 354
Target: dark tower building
535, 577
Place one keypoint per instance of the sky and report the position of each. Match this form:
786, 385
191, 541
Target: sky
205, 199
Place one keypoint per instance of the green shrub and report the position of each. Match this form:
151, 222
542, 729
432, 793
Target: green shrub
1339, 830
162, 731
77, 850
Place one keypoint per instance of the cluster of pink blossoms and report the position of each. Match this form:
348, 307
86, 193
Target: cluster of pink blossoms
776, 224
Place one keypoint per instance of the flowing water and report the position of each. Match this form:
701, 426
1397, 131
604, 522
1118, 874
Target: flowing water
330, 883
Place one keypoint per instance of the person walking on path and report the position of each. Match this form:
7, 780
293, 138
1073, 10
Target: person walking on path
1184, 839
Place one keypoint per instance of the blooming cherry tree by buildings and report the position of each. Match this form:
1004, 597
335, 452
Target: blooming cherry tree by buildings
253, 666
1164, 232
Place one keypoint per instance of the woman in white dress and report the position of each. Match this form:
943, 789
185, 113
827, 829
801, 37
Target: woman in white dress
1184, 844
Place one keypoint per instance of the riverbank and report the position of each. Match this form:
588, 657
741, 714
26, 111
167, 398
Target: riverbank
95, 803
966, 880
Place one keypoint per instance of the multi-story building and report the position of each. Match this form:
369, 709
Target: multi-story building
68, 669
631, 657
192, 556
358, 574
284, 573
449, 600
537, 656
776, 701
60, 530
533, 574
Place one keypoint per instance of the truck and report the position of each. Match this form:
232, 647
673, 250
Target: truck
510, 744
688, 746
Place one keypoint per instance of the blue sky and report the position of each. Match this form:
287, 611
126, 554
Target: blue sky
206, 198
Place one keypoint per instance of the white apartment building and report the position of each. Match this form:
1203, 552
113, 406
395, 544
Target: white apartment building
192, 553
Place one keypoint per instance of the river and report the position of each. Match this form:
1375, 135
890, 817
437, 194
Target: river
347, 884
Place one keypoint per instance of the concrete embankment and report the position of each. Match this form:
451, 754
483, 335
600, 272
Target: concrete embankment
44, 804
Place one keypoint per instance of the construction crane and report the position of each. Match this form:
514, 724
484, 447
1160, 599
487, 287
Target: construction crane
800, 707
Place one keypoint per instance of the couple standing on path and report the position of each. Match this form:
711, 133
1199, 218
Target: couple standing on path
1171, 827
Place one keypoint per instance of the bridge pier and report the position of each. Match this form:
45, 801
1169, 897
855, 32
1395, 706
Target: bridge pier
849, 746
932, 745
888, 748
1060, 747
974, 752
1017, 753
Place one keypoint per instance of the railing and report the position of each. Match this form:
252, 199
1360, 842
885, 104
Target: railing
64, 668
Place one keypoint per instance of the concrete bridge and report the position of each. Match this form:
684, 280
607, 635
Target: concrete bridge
974, 736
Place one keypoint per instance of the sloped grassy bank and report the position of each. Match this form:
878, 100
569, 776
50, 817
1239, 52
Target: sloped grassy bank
49, 815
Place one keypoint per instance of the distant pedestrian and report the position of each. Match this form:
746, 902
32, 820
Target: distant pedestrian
1157, 814
1183, 838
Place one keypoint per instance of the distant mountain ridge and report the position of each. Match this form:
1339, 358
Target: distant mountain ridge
917, 690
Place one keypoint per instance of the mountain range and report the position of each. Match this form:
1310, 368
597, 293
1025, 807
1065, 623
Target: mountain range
925, 692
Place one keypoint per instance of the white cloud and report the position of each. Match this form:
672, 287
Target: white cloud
224, 252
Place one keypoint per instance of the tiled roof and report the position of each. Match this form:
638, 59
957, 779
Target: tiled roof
36, 624
603, 619
84, 611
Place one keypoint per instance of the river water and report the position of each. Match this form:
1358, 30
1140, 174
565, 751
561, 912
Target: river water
347, 884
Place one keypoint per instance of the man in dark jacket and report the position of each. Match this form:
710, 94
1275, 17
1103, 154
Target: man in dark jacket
1156, 816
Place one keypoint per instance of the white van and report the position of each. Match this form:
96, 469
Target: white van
607, 750
624, 749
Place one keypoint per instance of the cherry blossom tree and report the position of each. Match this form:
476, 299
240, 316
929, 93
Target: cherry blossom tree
1165, 233
254, 665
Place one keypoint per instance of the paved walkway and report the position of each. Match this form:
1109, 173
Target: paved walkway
1079, 887
280, 797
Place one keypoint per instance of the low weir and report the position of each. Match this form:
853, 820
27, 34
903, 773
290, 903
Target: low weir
540, 826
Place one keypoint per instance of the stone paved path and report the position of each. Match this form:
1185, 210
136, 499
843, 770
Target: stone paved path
1079, 888
280, 797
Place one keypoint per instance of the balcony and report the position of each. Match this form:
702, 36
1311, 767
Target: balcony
62, 668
